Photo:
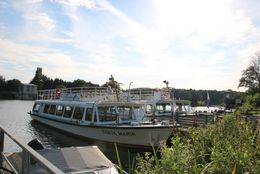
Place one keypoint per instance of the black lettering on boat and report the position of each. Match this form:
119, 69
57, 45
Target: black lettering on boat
110, 132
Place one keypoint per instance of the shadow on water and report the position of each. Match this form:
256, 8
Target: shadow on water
53, 138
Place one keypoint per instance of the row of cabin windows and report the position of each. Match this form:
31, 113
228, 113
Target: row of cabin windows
161, 108
66, 111
105, 113
110, 113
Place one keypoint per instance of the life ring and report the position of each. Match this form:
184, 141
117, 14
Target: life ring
58, 93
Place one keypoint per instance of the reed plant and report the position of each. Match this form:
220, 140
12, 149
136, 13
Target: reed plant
231, 145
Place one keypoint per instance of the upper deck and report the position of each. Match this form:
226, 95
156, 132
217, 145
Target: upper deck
103, 94
78, 94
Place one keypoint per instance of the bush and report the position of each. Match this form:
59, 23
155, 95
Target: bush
232, 144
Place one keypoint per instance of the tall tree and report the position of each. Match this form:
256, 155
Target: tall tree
251, 76
38, 78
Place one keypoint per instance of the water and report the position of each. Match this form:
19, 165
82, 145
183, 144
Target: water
14, 119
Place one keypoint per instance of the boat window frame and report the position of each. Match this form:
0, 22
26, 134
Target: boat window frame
149, 111
46, 108
129, 116
82, 114
88, 115
71, 111
57, 113
108, 117
52, 109
162, 108
95, 117
38, 105
136, 110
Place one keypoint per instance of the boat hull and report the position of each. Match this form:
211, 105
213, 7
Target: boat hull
136, 135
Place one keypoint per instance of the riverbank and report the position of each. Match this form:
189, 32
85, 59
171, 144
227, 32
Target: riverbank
231, 145
8, 95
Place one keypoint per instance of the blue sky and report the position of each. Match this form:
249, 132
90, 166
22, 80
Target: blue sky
198, 44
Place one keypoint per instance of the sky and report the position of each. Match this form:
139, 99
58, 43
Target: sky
202, 44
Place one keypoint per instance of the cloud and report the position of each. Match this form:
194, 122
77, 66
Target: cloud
42, 19
198, 44
76, 3
32, 11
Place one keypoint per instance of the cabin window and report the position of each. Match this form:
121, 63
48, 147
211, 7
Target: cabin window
107, 113
137, 113
89, 112
46, 108
163, 108
68, 112
180, 108
78, 113
148, 109
59, 110
36, 107
52, 109
125, 113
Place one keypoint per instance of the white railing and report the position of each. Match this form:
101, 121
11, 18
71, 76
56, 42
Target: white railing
104, 93
144, 94
83, 93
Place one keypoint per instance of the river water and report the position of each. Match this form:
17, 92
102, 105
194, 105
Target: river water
15, 120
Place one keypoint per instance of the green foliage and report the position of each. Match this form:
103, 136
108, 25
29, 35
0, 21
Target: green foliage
199, 97
251, 102
200, 103
12, 85
9, 85
230, 144
2, 83
38, 78
44, 82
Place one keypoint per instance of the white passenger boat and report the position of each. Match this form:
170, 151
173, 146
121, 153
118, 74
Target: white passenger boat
116, 122
158, 103
161, 106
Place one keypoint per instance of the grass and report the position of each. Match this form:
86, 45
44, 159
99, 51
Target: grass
232, 145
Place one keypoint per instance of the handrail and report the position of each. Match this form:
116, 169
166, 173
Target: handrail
83, 92
27, 153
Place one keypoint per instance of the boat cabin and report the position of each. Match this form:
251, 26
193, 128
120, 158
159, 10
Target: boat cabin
166, 107
87, 113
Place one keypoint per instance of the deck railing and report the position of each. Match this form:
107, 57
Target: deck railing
104, 93
27, 153
145, 94
82, 92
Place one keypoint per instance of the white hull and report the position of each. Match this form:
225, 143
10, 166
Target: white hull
133, 135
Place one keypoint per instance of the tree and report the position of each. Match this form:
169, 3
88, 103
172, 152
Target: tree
2, 83
251, 76
79, 83
38, 78
12, 85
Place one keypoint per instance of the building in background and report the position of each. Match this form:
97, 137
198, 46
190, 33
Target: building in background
27, 92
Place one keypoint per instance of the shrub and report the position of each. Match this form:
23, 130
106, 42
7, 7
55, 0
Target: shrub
232, 144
